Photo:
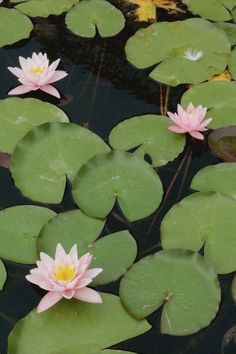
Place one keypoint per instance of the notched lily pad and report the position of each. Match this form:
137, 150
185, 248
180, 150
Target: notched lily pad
149, 134
215, 10
89, 15
19, 115
19, 228
44, 8
49, 154
178, 280
117, 175
204, 219
14, 26
189, 51
74, 227
222, 143
77, 327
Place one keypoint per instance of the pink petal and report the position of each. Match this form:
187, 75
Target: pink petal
83, 282
20, 90
16, 71
196, 135
86, 259
190, 108
54, 65
74, 253
60, 253
205, 123
92, 273
68, 294
50, 90
58, 75
174, 117
88, 295
49, 300
176, 129
47, 261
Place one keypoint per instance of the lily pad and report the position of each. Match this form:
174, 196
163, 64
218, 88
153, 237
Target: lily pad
178, 280
229, 29
217, 178
219, 97
233, 288
203, 220
14, 26
75, 327
117, 175
19, 115
232, 63
48, 154
19, 228
3, 275
91, 15
222, 143
149, 134
214, 10
44, 8
74, 227
189, 51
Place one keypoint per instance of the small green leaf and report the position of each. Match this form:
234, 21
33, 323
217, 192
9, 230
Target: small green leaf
3, 275
89, 15
117, 175
44, 8
178, 280
215, 10
75, 327
149, 134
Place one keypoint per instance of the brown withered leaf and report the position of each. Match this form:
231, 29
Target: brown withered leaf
5, 160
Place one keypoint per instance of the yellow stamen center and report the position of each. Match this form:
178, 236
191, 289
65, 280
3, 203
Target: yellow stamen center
37, 70
64, 273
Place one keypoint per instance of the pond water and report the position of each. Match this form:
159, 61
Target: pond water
101, 90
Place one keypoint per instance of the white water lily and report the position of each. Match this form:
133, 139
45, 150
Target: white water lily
192, 54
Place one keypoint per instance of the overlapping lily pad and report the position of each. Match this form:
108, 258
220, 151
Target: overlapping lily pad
75, 327
44, 8
18, 116
75, 227
117, 175
230, 30
219, 97
232, 64
3, 275
149, 134
204, 220
215, 10
19, 228
179, 280
168, 43
91, 15
222, 143
48, 154
14, 26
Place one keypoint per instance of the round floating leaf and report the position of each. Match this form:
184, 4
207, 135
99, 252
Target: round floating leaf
117, 175
18, 116
87, 16
167, 44
19, 228
229, 29
204, 220
180, 281
215, 10
218, 97
14, 26
222, 143
217, 178
233, 288
75, 327
3, 275
74, 227
48, 154
44, 8
150, 135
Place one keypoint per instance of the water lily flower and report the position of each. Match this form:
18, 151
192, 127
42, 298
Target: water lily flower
65, 276
190, 121
192, 55
37, 74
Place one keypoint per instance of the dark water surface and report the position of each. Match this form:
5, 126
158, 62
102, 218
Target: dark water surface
101, 90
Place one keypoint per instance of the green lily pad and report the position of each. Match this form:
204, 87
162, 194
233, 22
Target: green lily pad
233, 288
74, 227
44, 8
14, 26
48, 154
179, 280
167, 44
229, 29
216, 178
204, 220
19, 115
214, 10
219, 97
91, 15
75, 327
150, 135
3, 275
117, 175
19, 228
222, 143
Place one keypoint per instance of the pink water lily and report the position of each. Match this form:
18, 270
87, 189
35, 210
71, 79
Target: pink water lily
37, 74
190, 121
66, 276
